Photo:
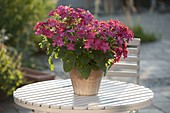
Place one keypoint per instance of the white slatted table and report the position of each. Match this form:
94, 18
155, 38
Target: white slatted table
57, 96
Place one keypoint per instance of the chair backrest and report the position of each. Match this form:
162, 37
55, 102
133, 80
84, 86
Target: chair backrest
129, 67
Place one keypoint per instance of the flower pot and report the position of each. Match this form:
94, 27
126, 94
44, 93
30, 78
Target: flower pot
86, 87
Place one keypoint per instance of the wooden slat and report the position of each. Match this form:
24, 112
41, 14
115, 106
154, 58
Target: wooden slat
133, 51
136, 41
122, 74
124, 66
131, 59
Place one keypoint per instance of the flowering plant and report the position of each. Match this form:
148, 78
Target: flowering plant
81, 41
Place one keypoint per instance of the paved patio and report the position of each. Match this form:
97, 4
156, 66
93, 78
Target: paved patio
155, 65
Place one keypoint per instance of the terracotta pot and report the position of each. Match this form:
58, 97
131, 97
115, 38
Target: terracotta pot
86, 87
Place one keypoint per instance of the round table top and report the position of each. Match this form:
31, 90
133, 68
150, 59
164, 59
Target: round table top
58, 95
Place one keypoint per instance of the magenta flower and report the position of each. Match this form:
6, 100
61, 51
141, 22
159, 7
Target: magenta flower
58, 41
97, 44
70, 46
51, 22
50, 34
88, 43
105, 47
72, 38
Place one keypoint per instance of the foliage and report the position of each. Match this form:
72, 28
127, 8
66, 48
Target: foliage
81, 41
18, 18
9, 66
144, 36
10, 75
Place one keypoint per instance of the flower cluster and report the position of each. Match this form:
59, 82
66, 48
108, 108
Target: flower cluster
76, 32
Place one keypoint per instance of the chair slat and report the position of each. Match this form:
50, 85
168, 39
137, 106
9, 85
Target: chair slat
125, 66
131, 59
122, 74
133, 50
135, 42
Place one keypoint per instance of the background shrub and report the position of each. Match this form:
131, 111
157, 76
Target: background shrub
144, 36
10, 75
18, 17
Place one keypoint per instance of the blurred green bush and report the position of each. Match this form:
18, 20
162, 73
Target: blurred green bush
18, 17
143, 35
10, 75
10, 61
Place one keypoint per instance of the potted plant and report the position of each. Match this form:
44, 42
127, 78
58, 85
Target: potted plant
87, 47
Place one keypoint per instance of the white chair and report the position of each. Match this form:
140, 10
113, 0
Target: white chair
129, 67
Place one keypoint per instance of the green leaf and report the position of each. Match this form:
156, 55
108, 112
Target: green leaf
43, 44
50, 61
85, 70
109, 55
84, 59
49, 40
66, 66
93, 66
56, 55
49, 49
78, 50
98, 56
69, 61
91, 56
62, 52
101, 65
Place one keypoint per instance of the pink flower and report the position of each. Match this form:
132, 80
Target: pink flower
39, 28
38, 25
125, 52
51, 22
97, 44
70, 46
88, 43
105, 47
48, 33
119, 52
58, 41
70, 31
80, 32
74, 14
61, 10
90, 35
39, 31
72, 38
